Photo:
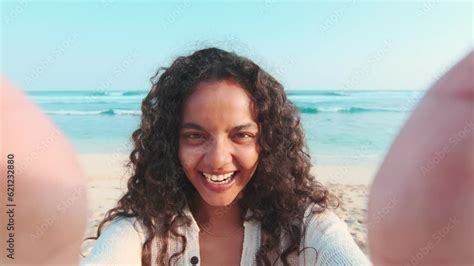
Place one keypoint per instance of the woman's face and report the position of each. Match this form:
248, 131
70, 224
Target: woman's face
218, 147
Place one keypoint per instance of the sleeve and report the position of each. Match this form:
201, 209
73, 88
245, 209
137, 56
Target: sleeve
119, 244
328, 242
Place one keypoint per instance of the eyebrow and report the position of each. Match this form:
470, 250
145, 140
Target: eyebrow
198, 127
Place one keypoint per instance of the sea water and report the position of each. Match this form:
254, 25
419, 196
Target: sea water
340, 126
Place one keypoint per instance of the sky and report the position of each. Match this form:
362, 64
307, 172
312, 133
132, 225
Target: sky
119, 45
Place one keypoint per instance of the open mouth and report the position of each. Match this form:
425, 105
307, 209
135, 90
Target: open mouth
219, 179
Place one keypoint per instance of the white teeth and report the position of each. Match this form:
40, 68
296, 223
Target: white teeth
221, 179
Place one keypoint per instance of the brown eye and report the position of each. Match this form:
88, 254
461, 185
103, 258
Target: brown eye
243, 136
193, 136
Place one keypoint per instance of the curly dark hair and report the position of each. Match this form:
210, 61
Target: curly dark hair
158, 189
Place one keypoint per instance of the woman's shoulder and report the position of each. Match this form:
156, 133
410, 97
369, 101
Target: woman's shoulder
123, 227
121, 241
329, 236
321, 219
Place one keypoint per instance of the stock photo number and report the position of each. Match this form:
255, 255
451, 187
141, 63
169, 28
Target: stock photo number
10, 206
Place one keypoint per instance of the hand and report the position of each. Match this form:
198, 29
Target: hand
421, 206
49, 189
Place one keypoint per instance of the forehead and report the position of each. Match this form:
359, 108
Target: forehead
218, 102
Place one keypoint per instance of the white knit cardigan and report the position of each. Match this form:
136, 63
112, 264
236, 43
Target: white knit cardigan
327, 237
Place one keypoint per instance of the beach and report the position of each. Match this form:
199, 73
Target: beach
347, 133
107, 177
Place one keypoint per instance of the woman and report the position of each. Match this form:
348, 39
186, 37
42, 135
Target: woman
221, 176
414, 219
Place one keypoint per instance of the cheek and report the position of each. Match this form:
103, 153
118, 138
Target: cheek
189, 156
249, 157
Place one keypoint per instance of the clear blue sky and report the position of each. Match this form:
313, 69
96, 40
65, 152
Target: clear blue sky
116, 45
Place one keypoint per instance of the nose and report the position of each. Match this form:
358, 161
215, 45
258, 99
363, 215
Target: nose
219, 154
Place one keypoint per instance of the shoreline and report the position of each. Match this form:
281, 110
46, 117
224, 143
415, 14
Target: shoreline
112, 166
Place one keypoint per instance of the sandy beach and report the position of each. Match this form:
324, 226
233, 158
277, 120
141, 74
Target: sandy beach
107, 176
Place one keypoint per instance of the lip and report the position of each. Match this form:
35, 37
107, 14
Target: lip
218, 188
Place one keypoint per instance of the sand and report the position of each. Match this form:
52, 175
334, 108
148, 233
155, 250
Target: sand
107, 176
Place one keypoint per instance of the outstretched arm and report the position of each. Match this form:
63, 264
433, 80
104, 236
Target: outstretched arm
43, 193
421, 207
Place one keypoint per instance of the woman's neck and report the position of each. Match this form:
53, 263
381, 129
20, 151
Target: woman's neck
218, 220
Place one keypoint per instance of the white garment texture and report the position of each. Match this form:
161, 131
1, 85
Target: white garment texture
327, 237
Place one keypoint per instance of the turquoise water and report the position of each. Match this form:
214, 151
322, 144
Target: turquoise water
340, 126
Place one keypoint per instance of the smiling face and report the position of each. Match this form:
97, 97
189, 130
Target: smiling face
218, 147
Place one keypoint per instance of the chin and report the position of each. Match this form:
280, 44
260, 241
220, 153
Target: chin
218, 201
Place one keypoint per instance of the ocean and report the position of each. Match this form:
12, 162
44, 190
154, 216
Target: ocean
351, 127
